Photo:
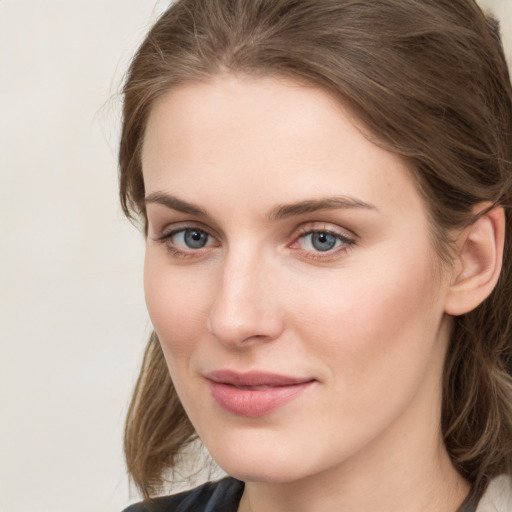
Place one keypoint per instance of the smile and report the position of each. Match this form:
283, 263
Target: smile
254, 394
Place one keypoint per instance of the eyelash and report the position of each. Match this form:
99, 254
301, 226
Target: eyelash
166, 239
346, 242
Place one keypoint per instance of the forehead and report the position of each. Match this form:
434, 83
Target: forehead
262, 108
267, 140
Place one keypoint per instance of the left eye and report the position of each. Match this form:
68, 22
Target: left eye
191, 239
323, 241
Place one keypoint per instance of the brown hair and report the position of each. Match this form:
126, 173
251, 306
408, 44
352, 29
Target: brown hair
429, 80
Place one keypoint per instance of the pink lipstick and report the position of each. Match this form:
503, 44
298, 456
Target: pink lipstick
254, 393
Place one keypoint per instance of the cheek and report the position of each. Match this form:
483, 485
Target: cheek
176, 303
374, 336
374, 325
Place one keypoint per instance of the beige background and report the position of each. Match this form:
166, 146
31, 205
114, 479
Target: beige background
72, 314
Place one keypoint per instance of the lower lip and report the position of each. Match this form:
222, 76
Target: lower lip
255, 402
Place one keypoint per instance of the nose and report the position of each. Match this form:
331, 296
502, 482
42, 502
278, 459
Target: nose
246, 305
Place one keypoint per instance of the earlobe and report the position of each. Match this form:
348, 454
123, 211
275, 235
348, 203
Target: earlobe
478, 262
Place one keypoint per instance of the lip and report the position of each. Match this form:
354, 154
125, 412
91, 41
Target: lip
254, 393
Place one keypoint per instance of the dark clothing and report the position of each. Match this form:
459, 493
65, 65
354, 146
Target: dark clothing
221, 496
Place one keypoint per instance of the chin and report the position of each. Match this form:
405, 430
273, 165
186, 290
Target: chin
262, 462
277, 474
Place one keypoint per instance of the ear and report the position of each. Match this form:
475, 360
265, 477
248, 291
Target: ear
477, 264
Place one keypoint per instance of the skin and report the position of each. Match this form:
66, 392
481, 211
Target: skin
365, 320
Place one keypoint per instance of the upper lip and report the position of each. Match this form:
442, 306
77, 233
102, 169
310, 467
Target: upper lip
254, 378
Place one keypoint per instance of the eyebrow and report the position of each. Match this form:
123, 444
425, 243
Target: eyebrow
313, 205
174, 203
279, 212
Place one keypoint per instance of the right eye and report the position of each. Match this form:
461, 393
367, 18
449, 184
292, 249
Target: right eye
190, 239
187, 241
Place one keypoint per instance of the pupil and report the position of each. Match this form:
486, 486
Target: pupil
323, 241
195, 239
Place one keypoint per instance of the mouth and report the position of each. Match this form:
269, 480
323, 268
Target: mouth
255, 393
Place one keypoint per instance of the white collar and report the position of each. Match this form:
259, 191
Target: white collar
498, 496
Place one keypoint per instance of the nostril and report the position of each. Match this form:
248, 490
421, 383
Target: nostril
243, 329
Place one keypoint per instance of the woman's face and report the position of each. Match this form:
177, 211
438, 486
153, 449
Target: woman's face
291, 280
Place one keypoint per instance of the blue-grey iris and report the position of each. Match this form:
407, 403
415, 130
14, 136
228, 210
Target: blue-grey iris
323, 241
195, 239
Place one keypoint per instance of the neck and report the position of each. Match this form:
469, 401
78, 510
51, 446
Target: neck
392, 485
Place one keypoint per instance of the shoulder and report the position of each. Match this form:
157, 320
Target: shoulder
223, 495
498, 496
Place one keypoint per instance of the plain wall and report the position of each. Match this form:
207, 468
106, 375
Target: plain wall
72, 316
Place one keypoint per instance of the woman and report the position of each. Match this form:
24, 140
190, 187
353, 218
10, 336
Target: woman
324, 190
